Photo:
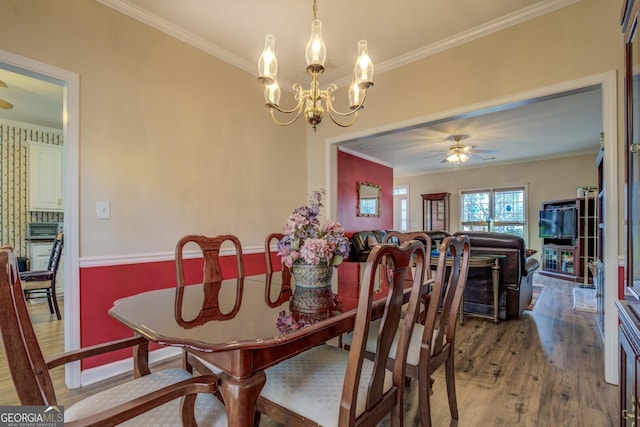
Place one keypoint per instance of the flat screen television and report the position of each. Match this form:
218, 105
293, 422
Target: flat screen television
557, 223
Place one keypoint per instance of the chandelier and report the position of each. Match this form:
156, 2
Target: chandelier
310, 100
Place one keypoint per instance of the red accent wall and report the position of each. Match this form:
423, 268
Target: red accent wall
101, 286
351, 170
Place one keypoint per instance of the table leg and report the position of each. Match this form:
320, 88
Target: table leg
495, 278
240, 397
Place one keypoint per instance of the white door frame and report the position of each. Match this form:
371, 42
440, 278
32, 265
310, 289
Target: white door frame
70, 82
608, 83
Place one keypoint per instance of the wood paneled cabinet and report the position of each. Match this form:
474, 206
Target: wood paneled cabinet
629, 342
559, 259
567, 258
45, 177
435, 211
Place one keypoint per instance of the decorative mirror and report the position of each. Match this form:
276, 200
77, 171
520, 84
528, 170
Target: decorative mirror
368, 199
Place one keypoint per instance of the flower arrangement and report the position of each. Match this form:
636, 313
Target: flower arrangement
305, 241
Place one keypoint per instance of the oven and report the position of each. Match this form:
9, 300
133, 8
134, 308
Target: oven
43, 230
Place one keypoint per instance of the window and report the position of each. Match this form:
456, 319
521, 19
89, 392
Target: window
401, 208
502, 210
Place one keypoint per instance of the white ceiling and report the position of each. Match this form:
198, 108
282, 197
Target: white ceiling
34, 100
397, 33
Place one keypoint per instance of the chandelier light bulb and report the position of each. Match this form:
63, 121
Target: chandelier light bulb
267, 63
356, 94
363, 69
316, 51
272, 94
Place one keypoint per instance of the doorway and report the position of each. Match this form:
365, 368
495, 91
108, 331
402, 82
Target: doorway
69, 82
607, 83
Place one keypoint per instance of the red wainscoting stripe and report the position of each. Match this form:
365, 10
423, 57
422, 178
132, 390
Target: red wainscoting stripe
621, 281
101, 286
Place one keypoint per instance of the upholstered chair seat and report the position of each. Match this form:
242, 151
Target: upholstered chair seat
209, 411
319, 373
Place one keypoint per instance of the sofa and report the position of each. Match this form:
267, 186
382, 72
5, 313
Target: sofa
516, 275
361, 242
516, 269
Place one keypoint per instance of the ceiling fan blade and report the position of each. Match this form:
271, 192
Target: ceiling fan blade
482, 151
431, 156
2, 84
5, 105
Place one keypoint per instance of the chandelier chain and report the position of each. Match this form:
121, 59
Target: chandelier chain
315, 9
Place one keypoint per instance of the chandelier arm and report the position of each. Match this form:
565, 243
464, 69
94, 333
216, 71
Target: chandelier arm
331, 112
343, 125
282, 110
278, 122
327, 95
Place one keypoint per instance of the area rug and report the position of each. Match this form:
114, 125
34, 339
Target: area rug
537, 288
584, 299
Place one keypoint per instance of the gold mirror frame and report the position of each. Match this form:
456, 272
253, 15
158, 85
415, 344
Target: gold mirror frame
368, 199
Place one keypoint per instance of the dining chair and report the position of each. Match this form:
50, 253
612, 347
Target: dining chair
433, 343
328, 385
425, 239
149, 399
42, 283
209, 248
285, 287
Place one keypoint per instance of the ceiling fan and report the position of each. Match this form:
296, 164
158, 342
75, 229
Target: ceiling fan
460, 153
4, 104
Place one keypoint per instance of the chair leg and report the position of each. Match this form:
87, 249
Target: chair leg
53, 298
50, 301
186, 365
424, 400
451, 386
56, 307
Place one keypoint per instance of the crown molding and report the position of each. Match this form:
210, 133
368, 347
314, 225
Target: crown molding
178, 32
198, 42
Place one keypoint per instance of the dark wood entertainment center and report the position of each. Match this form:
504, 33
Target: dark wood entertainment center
566, 257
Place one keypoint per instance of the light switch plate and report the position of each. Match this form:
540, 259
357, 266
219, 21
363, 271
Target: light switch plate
103, 210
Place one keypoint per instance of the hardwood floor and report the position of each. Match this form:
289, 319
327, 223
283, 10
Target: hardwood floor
543, 369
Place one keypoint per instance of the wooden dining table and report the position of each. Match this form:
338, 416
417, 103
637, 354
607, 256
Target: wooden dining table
242, 345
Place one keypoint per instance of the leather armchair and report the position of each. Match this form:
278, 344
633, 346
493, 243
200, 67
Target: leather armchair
516, 275
361, 243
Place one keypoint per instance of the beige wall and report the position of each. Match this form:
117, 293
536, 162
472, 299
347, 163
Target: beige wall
178, 141
577, 41
546, 180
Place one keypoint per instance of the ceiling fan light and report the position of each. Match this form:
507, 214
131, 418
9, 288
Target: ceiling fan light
457, 158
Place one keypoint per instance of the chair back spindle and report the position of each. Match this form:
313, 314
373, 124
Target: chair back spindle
211, 278
285, 287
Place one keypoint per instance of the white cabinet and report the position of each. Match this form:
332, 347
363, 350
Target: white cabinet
45, 177
39, 255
